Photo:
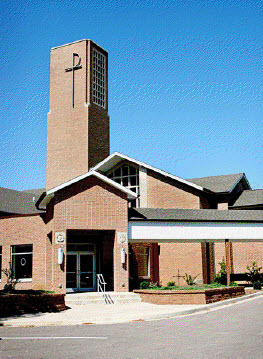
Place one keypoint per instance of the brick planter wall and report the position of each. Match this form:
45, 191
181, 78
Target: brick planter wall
17, 304
192, 296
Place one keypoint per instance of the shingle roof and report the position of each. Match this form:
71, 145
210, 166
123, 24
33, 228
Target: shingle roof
218, 184
195, 215
19, 202
116, 157
250, 198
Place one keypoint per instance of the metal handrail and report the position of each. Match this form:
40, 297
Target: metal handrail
100, 283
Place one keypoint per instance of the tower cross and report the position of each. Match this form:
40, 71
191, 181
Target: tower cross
73, 68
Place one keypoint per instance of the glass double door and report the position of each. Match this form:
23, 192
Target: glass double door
81, 271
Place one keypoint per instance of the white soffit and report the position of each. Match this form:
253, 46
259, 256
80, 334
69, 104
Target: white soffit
194, 231
116, 157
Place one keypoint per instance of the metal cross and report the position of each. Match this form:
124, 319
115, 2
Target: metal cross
178, 276
73, 68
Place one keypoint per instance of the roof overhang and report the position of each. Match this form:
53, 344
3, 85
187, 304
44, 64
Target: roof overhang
117, 157
50, 193
178, 232
198, 225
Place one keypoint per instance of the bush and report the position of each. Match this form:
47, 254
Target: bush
189, 279
171, 284
254, 275
257, 285
11, 281
144, 285
220, 277
153, 286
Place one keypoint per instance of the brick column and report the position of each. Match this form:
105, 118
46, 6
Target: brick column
121, 270
228, 260
59, 270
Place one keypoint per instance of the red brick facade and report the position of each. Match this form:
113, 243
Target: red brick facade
90, 205
18, 230
187, 258
77, 137
97, 211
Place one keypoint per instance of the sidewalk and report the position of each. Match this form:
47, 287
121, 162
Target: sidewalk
114, 313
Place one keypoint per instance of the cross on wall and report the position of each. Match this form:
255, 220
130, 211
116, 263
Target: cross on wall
73, 68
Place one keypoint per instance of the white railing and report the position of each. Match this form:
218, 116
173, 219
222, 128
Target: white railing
100, 283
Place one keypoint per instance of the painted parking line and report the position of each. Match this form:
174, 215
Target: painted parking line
39, 338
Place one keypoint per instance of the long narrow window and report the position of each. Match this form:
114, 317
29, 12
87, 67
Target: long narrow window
128, 176
21, 259
99, 78
143, 260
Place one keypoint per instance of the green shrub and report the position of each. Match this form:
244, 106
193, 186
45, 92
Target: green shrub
189, 279
153, 286
254, 275
233, 284
257, 285
144, 285
171, 284
220, 277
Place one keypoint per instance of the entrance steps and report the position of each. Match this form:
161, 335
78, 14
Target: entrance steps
85, 298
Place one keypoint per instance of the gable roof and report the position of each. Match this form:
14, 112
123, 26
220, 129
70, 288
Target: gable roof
250, 198
50, 193
117, 157
220, 184
19, 202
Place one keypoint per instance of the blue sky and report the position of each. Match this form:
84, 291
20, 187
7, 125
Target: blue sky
185, 83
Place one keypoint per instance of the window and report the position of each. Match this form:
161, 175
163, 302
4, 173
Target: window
128, 176
143, 260
22, 258
99, 79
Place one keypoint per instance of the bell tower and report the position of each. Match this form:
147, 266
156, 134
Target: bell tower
78, 120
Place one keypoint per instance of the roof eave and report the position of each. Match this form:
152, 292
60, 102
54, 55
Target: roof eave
42, 203
103, 167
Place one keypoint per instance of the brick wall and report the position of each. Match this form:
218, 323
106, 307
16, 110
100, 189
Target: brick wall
77, 137
165, 193
185, 257
246, 253
17, 230
90, 204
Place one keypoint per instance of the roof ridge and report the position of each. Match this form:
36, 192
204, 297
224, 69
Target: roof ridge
230, 174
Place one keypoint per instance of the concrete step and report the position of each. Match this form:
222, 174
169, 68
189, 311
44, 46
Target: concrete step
85, 298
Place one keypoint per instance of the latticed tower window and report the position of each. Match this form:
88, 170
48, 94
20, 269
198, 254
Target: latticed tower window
99, 78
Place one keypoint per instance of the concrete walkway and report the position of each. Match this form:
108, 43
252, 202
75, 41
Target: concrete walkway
113, 313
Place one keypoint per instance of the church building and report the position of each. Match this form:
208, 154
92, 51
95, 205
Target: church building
112, 215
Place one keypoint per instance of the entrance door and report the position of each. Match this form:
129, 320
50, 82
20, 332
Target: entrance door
81, 271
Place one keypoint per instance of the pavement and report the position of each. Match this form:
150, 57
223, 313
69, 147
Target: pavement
88, 314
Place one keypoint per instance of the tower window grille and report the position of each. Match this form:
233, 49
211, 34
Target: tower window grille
99, 79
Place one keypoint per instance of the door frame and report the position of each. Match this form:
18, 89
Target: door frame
78, 271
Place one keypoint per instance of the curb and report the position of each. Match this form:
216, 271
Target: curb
207, 307
147, 317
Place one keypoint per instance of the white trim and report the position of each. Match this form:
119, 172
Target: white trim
130, 194
75, 42
154, 231
143, 187
50, 193
102, 166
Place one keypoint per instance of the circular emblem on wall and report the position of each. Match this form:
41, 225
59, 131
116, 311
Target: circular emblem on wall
60, 237
122, 237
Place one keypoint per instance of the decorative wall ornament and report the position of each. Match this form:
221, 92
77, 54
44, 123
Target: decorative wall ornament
60, 237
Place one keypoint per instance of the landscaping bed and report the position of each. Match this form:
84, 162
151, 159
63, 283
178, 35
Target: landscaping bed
189, 296
22, 302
